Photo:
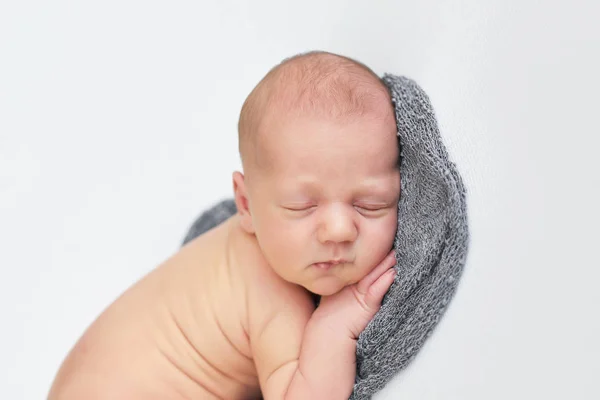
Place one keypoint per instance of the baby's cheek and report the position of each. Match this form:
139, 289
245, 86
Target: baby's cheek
389, 227
380, 238
285, 241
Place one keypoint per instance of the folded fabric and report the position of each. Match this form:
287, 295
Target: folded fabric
431, 242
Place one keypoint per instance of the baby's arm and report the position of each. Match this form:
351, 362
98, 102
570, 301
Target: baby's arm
322, 363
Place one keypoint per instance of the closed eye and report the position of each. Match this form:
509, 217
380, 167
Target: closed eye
299, 208
371, 209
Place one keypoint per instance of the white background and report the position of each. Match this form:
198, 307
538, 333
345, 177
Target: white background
118, 126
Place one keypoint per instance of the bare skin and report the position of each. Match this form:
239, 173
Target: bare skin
230, 315
181, 332
199, 326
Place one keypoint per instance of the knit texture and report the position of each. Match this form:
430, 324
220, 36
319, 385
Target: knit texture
431, 242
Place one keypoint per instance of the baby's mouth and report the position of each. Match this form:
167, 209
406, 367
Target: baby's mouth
328, 264
324, 265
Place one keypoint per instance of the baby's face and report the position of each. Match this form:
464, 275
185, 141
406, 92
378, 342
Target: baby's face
331, 193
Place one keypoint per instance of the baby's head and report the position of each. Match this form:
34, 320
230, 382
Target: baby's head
319, 150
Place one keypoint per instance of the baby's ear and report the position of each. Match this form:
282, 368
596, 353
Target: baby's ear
240, 192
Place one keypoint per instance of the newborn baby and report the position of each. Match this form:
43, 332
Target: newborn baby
231, 315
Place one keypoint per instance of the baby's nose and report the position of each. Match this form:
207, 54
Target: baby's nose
337, 225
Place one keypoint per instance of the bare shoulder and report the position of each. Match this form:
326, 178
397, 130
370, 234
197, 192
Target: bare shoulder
269, 296
267, 292
278, 312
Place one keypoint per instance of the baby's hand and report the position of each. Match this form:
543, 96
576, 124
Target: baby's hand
350, 310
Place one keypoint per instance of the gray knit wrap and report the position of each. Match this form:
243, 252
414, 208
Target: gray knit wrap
431, 242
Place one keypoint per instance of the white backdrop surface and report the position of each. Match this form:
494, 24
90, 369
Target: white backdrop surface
118, 126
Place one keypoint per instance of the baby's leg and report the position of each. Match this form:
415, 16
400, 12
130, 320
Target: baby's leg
211, 218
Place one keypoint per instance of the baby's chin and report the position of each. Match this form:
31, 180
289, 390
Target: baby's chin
325, 287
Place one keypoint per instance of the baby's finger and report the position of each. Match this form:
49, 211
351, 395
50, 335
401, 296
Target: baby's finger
388, 262
378, 289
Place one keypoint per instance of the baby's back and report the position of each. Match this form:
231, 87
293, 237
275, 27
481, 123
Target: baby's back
180, 332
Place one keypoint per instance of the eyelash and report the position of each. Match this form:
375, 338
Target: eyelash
299, 209
372, 209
